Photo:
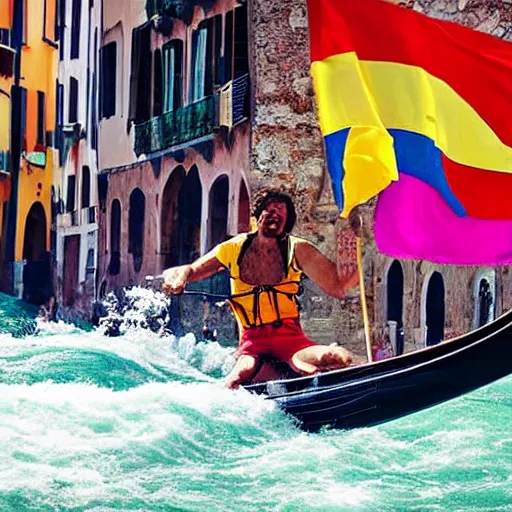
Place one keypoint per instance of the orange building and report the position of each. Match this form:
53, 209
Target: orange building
32, 138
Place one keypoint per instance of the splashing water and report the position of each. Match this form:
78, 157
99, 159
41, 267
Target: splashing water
142, 422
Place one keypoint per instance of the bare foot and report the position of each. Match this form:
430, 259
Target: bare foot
233, 383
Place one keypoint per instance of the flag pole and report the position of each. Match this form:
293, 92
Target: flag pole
364, 306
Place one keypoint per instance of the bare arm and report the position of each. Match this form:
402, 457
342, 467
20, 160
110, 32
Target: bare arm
322, 271
176, 278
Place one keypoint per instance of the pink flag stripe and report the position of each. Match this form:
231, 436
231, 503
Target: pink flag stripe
412, 221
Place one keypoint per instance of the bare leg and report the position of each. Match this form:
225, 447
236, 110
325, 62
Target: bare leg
320, 358
244, 369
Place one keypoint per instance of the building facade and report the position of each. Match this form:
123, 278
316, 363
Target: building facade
27, 258
175, 107
75, 197
183, 145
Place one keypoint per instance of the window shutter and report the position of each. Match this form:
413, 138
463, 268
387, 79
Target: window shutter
134, 74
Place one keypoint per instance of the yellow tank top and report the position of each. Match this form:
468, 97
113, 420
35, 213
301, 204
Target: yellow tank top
254, 306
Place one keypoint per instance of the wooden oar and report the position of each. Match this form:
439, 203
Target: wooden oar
159, 278
364, 306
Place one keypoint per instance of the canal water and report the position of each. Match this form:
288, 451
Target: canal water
141, 422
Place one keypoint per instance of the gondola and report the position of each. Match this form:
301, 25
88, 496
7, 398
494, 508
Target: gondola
374, 393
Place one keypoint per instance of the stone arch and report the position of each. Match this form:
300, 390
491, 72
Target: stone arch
434, 312
244, 209
136, 225
218, 211
395, 306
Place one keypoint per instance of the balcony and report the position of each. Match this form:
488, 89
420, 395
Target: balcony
228, 107
177, 127
76, 218
88, 215
6, 61
67, 220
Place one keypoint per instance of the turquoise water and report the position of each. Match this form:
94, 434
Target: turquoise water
142, 423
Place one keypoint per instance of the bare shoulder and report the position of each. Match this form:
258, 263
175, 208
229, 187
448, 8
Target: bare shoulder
302, 245
305, 251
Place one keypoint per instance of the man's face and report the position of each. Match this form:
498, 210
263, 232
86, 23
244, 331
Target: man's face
272, 220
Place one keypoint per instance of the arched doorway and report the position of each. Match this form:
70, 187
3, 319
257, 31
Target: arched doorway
181, 217
136, 221
435, 313
169, 219
395, 304
244, 209
218, 214
37, 275
188, 246
34, 243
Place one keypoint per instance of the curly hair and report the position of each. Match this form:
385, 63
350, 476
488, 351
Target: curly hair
268, 195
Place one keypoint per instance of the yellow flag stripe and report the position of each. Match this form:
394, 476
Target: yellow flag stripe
386, 95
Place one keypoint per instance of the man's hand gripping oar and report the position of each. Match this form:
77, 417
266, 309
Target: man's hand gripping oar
159, 281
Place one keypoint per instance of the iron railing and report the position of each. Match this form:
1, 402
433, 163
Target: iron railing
176, 127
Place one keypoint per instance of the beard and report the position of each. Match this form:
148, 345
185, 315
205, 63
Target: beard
271, 233
272, 230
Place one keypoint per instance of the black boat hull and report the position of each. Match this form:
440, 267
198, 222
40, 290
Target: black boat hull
378, 392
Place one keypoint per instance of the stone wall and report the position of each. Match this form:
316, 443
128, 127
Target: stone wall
287, 151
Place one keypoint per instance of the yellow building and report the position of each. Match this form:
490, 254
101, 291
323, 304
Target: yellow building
38, 72
32, 132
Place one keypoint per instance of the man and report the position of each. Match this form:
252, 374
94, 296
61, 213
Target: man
265, 268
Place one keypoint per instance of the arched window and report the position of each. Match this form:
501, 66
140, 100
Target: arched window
435, 312
218, 217
115, 238
244, 209
136, 216
485, 302
484, 295
395, 301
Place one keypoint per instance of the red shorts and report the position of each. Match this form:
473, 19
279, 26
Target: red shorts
280, 342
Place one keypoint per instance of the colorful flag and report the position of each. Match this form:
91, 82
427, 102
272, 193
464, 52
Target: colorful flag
424, 103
